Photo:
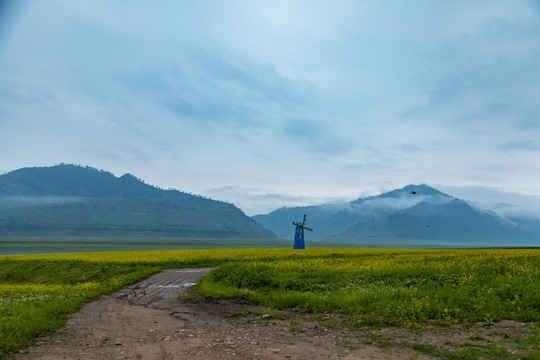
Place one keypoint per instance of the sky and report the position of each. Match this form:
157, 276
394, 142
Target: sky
267, 104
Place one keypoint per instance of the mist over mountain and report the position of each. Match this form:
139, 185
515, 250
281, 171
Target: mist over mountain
82, 201
413, 215
331, 219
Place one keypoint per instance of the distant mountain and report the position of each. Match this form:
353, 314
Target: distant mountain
331, 219
413, 215
82, 201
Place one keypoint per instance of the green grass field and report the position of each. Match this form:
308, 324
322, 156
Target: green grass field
375, 286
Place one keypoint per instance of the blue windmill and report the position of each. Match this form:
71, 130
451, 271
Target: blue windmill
299, 234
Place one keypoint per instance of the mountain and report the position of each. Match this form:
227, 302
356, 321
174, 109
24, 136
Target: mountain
413, 215
331, 219
83, 201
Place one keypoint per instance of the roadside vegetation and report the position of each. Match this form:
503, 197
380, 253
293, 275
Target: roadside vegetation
392, 287
376, 287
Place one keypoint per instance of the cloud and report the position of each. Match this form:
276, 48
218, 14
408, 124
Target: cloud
315, 136
256, 80
487, 76
7, 202
254, 201
398, 203
505, 203
523, 145
209, 85
408, 148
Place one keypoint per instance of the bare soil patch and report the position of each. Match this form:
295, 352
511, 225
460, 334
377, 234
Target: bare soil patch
150, 320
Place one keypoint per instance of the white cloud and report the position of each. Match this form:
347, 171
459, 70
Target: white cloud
254, 201
504, 203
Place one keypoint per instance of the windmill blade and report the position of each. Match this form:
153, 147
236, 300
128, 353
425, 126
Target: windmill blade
308, 229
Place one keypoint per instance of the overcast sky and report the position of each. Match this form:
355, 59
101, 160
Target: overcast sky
272, 103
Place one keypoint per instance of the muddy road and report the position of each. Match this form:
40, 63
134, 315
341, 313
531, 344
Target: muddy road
150, 320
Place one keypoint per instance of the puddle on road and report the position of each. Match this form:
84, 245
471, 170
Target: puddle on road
192, 270
168, 286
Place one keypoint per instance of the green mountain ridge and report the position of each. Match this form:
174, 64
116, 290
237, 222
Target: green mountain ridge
82, 201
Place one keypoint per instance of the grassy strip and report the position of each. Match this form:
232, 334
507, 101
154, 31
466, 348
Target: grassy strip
378, 288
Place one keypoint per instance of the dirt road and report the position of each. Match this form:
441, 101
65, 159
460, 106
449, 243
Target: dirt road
149, 321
